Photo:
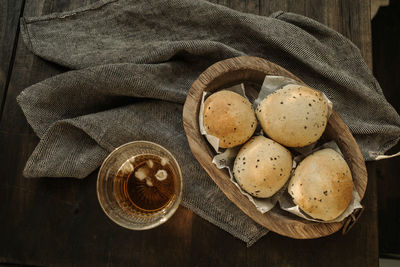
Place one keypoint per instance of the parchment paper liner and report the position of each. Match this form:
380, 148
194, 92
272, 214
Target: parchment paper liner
225, 157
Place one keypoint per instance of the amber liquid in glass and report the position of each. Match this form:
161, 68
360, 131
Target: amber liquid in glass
145, 184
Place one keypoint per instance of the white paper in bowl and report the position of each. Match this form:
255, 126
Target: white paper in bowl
225, 157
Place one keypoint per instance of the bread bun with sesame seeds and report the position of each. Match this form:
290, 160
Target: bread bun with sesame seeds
262, 167
322, 185
294, 116
230, 117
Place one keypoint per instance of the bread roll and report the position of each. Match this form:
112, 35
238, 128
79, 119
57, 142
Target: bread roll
294, 116
322, 185
262, 167
230, 117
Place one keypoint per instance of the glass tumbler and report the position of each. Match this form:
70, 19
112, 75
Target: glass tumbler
113, 182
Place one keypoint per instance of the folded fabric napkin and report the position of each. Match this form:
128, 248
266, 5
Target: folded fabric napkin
132, 63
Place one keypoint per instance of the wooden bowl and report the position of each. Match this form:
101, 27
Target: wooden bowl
253, 70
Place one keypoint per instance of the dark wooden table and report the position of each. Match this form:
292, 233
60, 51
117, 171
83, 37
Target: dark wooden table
59, 222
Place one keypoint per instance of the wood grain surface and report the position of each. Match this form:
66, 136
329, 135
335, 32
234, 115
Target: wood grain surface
252, 69
386, 58
58, 222
9, 16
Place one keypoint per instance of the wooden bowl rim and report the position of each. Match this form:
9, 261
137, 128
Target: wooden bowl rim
295, 228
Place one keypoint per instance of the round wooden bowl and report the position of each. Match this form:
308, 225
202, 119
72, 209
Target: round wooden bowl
253, 70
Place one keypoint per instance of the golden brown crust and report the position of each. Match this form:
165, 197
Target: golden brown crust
322, 185
294, 116
230, 117
262, 167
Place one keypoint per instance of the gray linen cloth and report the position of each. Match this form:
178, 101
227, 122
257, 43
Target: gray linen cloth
132, 63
